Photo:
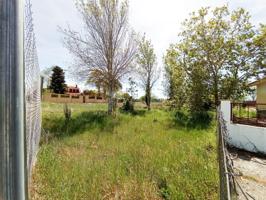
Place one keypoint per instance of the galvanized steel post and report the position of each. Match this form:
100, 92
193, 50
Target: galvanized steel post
13, 179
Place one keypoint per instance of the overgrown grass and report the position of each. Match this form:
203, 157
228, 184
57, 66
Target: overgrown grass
134, 157
245, 112
196, 120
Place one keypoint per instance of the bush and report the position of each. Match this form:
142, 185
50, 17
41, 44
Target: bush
65, 95
200, 119
90, 92
128, 105
67, 113
54, 95
181, 118
193, 119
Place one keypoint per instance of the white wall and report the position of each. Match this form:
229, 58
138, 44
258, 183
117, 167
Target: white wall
250, 138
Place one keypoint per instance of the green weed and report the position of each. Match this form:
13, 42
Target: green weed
140, 156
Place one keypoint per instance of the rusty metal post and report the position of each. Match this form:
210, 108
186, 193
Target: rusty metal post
13, 181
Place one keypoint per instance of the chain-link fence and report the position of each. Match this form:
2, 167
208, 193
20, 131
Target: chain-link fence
227, 183
32, 89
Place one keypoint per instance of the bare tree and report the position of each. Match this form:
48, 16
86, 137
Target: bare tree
107, 44
147, 68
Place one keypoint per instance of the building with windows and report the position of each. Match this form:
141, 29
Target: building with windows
72, 90
261, 90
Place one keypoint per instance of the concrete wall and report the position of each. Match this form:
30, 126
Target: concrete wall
89, 99
62, 98
250, 138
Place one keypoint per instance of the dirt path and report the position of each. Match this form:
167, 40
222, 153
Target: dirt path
252, 179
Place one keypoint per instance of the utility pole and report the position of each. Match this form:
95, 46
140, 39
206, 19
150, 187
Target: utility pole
13, 181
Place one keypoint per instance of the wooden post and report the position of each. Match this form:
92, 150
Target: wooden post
42, 80
13, 181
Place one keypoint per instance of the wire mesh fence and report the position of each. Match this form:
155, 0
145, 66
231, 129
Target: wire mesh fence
32, 88
230, 186
225, 190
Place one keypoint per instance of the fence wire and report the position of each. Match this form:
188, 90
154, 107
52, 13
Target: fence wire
32, 89
224, 160
230, 187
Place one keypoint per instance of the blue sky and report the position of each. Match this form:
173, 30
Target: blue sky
159, 19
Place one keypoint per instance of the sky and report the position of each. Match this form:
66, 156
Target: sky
160, 20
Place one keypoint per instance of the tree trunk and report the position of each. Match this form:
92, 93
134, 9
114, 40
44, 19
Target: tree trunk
104, 92
216, 93
149, 103
148, 99
111, 101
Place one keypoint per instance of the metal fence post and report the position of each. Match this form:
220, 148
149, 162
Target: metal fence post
13, 181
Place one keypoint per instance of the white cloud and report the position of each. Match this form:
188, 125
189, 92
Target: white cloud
159, 19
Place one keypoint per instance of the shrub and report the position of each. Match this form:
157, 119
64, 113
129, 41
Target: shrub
65, 95
181, 118
128, 105
200, 119
67, 113
75, 97
54, 95
90, 92
193, 119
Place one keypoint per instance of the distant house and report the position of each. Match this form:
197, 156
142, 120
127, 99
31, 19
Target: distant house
72, 90
261, 90
261, 96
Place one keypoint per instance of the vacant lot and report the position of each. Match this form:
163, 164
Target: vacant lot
141, 156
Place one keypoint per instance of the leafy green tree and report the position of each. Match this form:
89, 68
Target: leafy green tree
58, 80
215, 56
132, 90
175, 78
260, 44
147, 68
97, 79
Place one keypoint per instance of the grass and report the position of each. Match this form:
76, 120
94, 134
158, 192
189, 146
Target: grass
134, 157
245, 112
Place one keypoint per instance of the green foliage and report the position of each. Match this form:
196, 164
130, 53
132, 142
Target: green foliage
199, 120
105, 50
126, 96
147, 68
90, 92
128, 105
260, 43
58, 80
175, 80
67, 113
132, 90
154, 99
214, 58
127, 157
122, 96
98, 79
181, 118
